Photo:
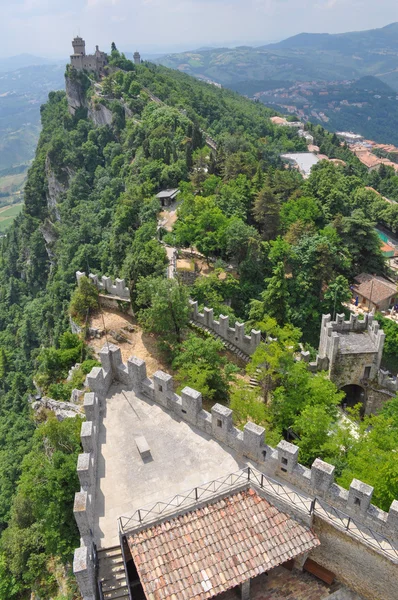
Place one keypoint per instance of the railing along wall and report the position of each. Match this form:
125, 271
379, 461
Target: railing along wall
278, 470
273, 490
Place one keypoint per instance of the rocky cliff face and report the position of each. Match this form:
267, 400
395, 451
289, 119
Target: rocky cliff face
99, 114
75, 95
54, 189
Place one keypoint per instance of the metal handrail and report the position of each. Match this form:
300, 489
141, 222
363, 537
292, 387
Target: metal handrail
358, 530
250, 476
200, 493
100, 591
125, 566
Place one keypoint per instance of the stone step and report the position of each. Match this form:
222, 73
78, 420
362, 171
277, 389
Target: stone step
111, 574
112, 561
108, 573
116, 550
121, 594
227, 344
115, 584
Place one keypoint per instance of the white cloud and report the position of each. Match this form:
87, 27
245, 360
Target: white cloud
94, 3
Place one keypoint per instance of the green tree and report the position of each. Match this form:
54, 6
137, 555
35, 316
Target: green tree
266, 213
363, 244
163, 307
337, 293
202, 367
238, 238
84, 299
276, 294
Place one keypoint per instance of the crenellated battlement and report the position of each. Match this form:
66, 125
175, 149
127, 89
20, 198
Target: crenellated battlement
233, 335
118, 289
300, 491
281, 462
331, 332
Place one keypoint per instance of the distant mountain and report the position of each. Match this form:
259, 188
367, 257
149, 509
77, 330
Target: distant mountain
304, 57
21, 61
369, 41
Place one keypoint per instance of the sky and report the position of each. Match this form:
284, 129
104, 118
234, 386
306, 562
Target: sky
46, 27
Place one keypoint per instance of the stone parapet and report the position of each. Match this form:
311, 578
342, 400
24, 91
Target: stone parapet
280, 462
83, 508
84, 571
234, 335
386, 381
105, 285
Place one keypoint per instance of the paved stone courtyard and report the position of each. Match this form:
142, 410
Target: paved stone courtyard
181, 457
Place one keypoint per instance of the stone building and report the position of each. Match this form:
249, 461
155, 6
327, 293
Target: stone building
137, 58
351, 351
375, 292
90, 62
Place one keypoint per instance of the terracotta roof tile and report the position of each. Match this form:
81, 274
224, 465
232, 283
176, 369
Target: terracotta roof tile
217, 547
374, 288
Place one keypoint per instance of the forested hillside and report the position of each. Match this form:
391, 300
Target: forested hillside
90, 205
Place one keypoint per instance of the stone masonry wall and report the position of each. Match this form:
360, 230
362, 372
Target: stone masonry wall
348, 369
118, 289
234, 335
280, 462
369, 574
329, 338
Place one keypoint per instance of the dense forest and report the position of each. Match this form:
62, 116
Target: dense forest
293, 245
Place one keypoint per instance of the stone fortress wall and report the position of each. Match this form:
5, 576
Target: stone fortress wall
331, 337
91, 62
280, 462
347, 368
234, 335
117, 289
344, 368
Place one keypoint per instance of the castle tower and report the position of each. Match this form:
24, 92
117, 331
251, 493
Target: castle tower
137, 58
79, 46
352, 352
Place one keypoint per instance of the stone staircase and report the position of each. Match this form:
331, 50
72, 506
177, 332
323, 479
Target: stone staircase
254, 379
228, 345
111, 574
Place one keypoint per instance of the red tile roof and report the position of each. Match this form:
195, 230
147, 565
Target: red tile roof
374, 288
200, 554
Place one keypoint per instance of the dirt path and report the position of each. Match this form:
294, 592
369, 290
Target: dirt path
125, 332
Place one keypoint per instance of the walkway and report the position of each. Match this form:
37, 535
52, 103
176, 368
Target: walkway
181, 457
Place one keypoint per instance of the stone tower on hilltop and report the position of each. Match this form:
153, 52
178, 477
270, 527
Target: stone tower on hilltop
79, 46
90, 62
137, 58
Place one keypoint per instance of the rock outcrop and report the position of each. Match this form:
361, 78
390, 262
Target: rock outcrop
62, 410
55, 188
100, 114
75, 95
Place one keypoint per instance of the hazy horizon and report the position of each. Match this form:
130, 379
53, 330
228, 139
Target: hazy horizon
45, 28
